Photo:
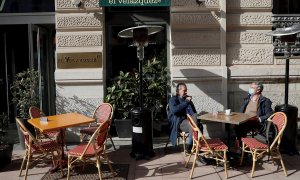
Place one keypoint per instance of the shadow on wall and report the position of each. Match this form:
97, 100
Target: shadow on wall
84, 106
208, 95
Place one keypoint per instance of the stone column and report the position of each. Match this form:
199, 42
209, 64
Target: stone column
79, 56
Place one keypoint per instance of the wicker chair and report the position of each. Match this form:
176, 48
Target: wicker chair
35, 147
103, 112
35, 112
209, 148
259, 150
180, 135
95, 148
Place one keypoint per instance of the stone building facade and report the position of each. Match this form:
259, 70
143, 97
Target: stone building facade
218, 48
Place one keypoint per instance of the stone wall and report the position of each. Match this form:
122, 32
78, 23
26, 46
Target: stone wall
220, 47
79, 29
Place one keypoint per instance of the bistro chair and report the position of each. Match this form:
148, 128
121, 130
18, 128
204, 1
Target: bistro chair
180, 135
94, 148
36, 147
259, 150
208, 148
35, 112
103, 112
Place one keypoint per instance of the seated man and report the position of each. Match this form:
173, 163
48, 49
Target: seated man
254, 104
179, 106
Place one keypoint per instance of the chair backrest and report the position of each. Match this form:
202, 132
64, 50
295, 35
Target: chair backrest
29, 138
198, 138
103, 112
98, 139
280, 121
35, 112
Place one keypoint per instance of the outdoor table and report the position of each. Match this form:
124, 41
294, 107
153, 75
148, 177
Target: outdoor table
60, 122
235, 118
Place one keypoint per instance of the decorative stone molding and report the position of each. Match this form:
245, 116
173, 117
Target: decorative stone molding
285, 20
249, 37
67, 4
78, 39
249, 19
196, 57
79, 20
191, 5
194, 39
244, 4
283, 61
207, 3
253, 56
193, 20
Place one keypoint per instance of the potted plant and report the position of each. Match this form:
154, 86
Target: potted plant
5, 149
124, 89
24, 95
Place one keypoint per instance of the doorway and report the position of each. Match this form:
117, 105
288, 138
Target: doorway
27, 46
121, 55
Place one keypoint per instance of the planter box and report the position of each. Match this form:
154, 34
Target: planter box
123, 127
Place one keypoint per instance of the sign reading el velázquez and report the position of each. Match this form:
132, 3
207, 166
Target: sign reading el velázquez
79, 60
134, 2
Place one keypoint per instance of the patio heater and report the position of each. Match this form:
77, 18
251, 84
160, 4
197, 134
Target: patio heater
287, 43
142, 146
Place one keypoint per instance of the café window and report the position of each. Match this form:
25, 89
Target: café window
26, 6
286, 6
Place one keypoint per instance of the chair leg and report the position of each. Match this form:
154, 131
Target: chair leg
188, 160
59, 159
243, 154
193, 167
225, 164
81, 137
112, 142
27, 165
23, 162
99, 167
167, 143
184, 143
282, 164
69, 167
254, 162
109, 165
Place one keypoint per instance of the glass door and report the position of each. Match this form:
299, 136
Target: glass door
42, 59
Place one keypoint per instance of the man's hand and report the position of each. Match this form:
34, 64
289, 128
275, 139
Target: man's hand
188, 98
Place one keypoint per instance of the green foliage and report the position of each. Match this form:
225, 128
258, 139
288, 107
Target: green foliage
123, 93
3, 126
24, 90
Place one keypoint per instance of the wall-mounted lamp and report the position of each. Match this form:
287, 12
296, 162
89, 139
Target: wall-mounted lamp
200, 2
76, 3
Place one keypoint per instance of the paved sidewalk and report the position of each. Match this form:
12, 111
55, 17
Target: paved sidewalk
168, 164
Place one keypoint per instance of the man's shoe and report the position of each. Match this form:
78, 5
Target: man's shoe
189, 149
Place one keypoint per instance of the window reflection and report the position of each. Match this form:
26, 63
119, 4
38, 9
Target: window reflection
23, 6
